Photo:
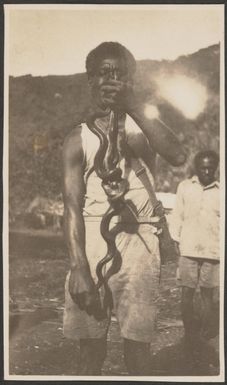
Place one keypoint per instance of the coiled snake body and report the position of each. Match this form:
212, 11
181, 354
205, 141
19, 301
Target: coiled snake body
115, 188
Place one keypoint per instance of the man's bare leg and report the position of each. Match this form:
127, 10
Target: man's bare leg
92, 356
187, 311
137, 358
207, 313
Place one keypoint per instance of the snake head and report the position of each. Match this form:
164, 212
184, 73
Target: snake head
112, 175
115, 190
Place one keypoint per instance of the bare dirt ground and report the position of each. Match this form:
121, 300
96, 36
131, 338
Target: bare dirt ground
37, 344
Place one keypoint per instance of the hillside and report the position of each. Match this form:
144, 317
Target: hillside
44, 109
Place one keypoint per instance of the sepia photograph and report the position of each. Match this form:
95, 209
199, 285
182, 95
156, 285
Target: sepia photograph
114, 192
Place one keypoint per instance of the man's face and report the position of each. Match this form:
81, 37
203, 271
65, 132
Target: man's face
206, 171
105, 83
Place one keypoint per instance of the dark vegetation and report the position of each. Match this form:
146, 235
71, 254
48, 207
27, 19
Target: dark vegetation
43, 110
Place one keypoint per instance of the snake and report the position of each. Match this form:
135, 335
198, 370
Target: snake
115, 188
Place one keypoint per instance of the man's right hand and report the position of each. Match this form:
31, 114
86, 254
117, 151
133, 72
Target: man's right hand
84, 293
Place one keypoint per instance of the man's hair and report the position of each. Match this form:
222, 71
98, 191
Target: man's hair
206, 154
112, 49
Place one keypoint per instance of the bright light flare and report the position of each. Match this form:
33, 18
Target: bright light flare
184, 93
151, 111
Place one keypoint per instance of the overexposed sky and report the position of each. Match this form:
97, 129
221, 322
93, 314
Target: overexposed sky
43, 40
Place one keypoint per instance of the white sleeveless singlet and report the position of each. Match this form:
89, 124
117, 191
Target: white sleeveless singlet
96, 202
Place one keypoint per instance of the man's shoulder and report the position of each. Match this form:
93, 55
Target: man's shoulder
74, 132
75, 135
185, 186
73, 141
131, 127
186, 182
134, 134
80, 143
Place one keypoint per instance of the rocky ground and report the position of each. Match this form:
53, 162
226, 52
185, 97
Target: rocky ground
37, 345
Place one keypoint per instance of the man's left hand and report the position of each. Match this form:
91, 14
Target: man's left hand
118, 94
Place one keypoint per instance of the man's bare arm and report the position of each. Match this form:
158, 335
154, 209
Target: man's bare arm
81, 285
73, 193
160, 137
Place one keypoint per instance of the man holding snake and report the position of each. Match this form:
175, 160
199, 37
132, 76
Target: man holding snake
134, 287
